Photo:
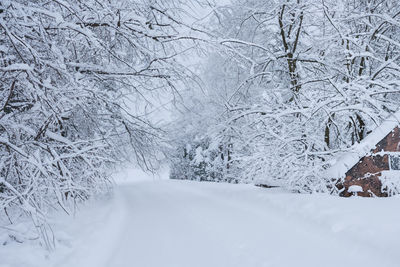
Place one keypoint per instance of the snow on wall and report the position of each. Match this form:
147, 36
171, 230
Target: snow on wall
350, 158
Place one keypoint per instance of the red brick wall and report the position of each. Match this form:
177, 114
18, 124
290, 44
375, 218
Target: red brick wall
367, 171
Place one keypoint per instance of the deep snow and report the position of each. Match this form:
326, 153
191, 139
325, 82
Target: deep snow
163, 223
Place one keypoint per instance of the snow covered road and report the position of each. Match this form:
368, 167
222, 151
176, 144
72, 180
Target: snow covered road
181, 224
191, 224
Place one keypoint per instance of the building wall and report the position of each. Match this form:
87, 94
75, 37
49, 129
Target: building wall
366, 173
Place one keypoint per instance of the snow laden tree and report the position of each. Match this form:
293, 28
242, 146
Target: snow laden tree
69, 73
312, 78
365, 35
197, 151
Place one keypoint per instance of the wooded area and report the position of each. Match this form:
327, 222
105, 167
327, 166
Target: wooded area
263, 92
293, 85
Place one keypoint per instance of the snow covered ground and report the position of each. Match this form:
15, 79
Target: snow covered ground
154, 222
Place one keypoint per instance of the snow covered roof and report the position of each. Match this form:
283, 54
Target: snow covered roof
347, 160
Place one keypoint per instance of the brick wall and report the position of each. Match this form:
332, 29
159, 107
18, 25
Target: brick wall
367, 171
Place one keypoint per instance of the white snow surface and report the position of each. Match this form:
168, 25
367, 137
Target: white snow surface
355, 189
347, 160
166, 223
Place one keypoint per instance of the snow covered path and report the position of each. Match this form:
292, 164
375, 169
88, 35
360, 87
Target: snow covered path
181, 224
189, 224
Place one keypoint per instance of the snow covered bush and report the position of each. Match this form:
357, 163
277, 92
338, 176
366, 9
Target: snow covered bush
199, 159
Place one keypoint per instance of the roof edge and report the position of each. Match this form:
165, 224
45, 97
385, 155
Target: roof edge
350, 158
